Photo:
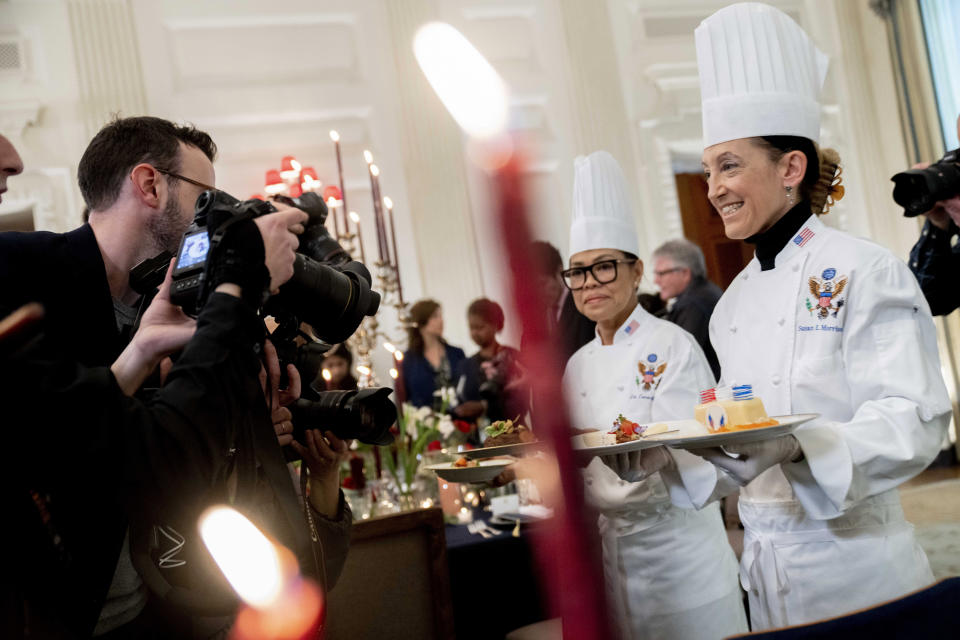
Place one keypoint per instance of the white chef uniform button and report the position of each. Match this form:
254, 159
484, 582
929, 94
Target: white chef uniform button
796, 267
746, 275
781, 321
733, 328
589, 482
776, 379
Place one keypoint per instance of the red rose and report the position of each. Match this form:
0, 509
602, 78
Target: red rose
463, 426
434, 446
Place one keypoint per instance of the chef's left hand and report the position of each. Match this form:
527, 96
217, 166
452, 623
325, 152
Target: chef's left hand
638, 465
753, 458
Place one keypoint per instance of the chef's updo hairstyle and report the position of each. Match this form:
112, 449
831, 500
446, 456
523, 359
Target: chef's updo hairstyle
829, 187
823, 165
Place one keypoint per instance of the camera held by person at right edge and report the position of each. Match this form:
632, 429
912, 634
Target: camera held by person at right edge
329, 292
919, 190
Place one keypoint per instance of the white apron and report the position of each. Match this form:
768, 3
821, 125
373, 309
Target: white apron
839, 327
670, 572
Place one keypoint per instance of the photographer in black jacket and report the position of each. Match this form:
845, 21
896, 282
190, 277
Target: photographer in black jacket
934, 259
139, 178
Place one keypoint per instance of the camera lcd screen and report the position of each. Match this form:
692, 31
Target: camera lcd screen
193, 250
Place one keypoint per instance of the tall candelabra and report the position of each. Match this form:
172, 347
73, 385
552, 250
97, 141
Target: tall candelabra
293, 180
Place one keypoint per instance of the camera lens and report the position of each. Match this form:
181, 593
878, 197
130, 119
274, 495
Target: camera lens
364, 415
918, 190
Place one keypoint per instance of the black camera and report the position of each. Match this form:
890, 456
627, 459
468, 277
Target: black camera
328, 291
365, 415
917, 190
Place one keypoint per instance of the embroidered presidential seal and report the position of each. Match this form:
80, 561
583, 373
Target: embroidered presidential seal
650, 372
826, 292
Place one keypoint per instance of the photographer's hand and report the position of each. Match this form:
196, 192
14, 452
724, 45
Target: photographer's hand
164, 329
279, 231
323, 454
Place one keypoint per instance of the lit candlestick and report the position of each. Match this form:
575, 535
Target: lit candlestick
343, 191
388, 203
332, 207
356, 221
383, 251
480, 106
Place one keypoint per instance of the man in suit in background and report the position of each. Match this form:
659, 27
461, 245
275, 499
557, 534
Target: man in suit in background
681, 273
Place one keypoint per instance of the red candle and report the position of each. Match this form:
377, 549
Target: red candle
343, 191
567, 569
383, 250
356, 221
393, 241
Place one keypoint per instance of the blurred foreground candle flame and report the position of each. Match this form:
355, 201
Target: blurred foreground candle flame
280, 604
465, 82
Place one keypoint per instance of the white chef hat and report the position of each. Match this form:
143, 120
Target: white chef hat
760, 75
602, 215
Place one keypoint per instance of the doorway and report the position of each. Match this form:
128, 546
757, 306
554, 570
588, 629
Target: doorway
725, 258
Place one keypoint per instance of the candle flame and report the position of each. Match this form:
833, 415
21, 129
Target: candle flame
375, 170
467, 85
387, 202
394, 373
326, 375
333, 202
247, 558
389, 347
355, 217
334, 135
368, 156
363, 369
398, 355
274, 189
295, 165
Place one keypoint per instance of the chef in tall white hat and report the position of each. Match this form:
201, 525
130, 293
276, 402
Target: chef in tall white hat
670, 571
818, 322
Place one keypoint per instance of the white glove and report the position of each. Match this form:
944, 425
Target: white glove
638, 465
753, 458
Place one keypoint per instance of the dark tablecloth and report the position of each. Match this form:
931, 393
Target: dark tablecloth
493, 583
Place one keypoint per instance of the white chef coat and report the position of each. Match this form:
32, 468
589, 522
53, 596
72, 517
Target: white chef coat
839, 327
670, 572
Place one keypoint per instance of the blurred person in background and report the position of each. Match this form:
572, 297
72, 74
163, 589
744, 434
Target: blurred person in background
429, 363
681, 273
484, 385
568, 328
337, 363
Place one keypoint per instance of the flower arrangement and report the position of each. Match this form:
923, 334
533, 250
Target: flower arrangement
421, 429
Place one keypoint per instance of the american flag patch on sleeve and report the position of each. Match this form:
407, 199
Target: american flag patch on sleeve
802, 237
630, 328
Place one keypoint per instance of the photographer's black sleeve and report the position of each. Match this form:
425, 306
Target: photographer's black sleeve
936, 264
157, 453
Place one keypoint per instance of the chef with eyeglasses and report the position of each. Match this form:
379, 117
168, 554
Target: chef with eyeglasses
669, 571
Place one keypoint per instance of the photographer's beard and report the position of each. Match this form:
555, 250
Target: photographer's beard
166, 228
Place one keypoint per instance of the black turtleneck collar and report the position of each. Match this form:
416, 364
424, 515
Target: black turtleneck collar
773, 240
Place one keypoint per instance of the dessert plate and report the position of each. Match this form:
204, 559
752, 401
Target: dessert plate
518, 449
485, 471
694, 435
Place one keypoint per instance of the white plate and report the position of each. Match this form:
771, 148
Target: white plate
485, 471
518, 449
581, 446
694, 435
690, 434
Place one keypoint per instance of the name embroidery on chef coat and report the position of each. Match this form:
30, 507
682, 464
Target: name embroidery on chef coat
826, 302
650, 372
